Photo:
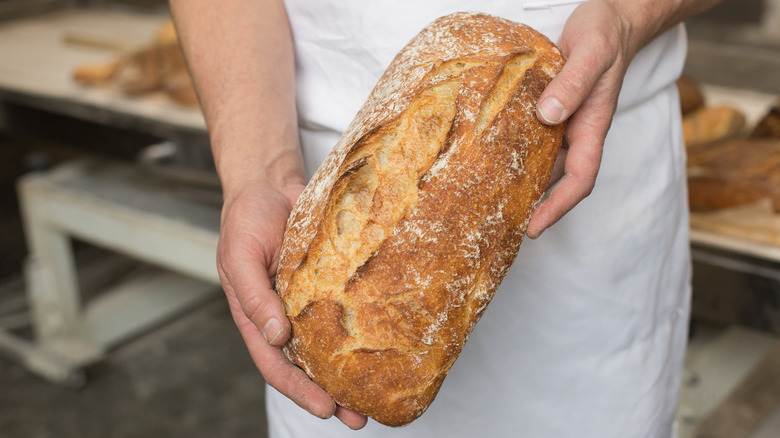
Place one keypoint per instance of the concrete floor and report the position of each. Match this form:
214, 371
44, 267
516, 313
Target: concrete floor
718, 359
192, 378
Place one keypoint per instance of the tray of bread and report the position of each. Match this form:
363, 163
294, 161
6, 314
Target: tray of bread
114, 67
157, 66
732, 139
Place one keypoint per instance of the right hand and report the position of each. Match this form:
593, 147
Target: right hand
253, 222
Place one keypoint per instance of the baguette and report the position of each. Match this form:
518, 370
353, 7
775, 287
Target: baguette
398, 243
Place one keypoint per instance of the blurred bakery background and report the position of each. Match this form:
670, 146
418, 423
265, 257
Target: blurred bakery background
112, 321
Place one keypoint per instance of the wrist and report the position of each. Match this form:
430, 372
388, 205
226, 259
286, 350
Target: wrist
639, 21
251, 154
276, 169
648, 19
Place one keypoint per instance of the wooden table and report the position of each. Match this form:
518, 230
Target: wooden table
37, 64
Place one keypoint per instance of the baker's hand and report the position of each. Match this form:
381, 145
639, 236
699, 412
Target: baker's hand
595, 43
253, 222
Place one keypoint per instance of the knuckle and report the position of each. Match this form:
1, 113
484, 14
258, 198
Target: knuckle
574, 84
588, 183
224, 277
224, 259
254, 306
274, 373
223, 271
588, 190
594, 58
604, 47
222, 268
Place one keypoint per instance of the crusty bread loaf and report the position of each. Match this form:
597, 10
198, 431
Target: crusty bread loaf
708, 125
398, 243
735, 173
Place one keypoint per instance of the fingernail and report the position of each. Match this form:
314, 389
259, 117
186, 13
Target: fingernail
272, 330
551, 110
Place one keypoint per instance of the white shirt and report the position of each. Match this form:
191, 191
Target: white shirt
586, 335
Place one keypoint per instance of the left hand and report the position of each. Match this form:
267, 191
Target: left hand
250, 240
595, 43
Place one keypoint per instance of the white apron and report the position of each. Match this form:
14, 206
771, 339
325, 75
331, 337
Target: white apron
585, 337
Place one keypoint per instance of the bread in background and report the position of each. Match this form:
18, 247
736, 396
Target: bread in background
769, 126
159, 66
727, 168
96, 73
734, 173
691, 97
708, 125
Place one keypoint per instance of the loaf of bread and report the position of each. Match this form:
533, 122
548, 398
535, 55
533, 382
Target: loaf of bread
398, 243
691, 97
712, 124
769, 126
735, 173
159, 66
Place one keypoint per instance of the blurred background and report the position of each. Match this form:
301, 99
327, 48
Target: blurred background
112, 321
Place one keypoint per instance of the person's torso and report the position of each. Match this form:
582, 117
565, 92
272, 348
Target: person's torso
585, 335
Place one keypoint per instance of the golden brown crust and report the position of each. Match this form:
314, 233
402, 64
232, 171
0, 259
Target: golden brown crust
735, 173
95, 74
709, 125
769, 126
398, 243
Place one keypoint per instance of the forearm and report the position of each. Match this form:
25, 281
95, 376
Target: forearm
241, 58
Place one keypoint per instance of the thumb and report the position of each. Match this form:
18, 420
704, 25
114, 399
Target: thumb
569, 89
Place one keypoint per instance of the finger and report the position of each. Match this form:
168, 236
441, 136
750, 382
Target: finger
586, 63
572, 188
352, 419
558, 167
251, 285
279, 372
585, 135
